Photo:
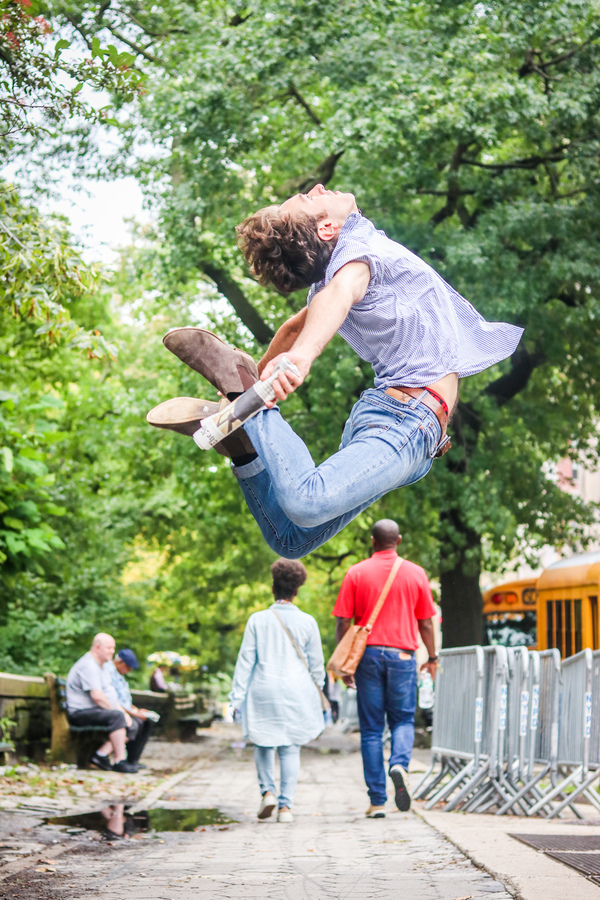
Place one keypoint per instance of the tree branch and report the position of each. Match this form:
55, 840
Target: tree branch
453, 194
321, 175
531, 162
138, 49
293, 92
522, 365
232, 291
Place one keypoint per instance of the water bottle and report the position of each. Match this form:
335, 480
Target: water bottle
426, 691
223, 423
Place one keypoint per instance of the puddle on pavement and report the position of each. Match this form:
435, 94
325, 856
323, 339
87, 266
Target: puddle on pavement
116, 821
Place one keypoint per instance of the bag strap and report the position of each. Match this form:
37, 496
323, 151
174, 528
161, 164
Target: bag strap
300, 653
383, 594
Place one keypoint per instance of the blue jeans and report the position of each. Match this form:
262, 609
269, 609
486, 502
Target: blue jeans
386, 685
299, 506
289, 764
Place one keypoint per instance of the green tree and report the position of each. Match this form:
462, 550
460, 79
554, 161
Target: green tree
469, 131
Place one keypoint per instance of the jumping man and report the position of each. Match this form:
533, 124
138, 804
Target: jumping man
395, 311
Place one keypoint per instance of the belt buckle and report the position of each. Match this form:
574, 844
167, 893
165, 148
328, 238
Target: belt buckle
444, 445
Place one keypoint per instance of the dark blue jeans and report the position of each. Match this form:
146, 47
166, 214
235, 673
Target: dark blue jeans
387, 685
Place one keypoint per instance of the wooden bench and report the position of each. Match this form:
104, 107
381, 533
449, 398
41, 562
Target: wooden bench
62, 745
178, 711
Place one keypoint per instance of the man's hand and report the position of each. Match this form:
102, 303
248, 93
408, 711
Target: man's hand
286, 382
430, 667
349, 681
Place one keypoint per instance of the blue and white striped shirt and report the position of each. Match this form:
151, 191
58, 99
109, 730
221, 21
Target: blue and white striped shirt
411, 325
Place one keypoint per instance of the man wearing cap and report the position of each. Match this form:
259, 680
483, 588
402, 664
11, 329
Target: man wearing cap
123, 663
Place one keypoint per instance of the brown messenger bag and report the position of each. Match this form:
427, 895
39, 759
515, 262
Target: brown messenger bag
349, 652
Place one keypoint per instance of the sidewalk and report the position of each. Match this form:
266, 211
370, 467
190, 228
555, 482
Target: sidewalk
330, 852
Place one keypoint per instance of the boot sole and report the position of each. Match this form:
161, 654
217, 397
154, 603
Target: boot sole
182, 414
402, 797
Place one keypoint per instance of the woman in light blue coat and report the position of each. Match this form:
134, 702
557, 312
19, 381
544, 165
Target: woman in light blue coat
276, 691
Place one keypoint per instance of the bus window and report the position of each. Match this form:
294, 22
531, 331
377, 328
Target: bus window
594, 609
568, 628
511, 629
578, 634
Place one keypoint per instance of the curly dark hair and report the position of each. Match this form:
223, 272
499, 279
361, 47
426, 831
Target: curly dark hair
288, 576
282, 250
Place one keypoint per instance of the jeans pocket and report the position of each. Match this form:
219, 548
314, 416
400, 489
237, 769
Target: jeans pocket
430, 437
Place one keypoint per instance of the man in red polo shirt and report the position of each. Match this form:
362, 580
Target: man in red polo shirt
386, 678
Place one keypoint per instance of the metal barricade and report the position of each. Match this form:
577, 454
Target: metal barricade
523, 716
575, 723
515, 758
457, 723
487, 786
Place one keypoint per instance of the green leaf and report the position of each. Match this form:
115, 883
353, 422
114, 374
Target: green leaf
15, 524
6, 455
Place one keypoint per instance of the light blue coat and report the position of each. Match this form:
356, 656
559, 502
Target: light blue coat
278, 698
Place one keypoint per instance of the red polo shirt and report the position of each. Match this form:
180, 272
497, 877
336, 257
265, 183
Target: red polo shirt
408, 600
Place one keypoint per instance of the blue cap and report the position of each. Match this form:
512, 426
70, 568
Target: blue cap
129, 658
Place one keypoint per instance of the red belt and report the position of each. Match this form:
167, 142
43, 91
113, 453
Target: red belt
433, 402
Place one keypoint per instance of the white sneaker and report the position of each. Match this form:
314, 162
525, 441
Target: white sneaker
267, 805
284, 815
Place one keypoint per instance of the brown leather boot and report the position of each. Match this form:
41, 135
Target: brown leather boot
231, 371
184, 415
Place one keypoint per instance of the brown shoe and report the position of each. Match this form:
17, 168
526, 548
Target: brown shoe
185, 414
229, 370
182, 414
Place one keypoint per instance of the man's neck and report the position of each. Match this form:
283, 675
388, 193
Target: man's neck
95, 657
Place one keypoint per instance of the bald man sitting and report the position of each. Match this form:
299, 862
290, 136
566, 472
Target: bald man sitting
92, 701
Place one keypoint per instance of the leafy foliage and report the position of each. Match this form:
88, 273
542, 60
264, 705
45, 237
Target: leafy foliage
41, 82
469, 132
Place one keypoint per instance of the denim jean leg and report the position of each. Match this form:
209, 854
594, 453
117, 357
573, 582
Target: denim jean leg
289, 761
401, 704
370, 683
299, 506
264, 757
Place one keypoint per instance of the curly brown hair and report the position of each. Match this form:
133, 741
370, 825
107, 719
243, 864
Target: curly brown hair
288, 576
284, 251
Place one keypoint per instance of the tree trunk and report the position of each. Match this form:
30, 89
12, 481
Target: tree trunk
462, 603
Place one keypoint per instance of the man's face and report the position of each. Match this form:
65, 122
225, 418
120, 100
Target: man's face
105, 649
322, 204
121, 667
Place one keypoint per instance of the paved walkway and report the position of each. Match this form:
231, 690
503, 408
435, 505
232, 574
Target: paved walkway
330, 852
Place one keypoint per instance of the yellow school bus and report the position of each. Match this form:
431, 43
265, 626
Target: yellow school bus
568, 594
510, 614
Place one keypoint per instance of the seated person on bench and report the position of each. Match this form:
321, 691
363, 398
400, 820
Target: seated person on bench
123, 663
92, 702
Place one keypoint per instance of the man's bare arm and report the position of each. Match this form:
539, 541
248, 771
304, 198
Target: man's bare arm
100, 699
326, 313
341, 627
284, 340
428, 636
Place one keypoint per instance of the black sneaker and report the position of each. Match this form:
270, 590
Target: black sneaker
402, 796
124, 766
100, 762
